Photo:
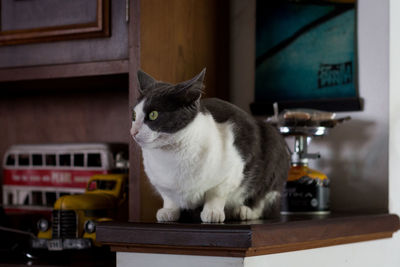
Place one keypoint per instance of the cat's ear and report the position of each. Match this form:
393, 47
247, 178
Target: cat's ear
192, 89
146, 82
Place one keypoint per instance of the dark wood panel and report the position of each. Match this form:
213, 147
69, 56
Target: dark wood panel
180, 38
243, 252
177, 40
324, 229
64, 71
33, 14
135, 156
203, 235
100, 27
315, 244
247, 238
95, 83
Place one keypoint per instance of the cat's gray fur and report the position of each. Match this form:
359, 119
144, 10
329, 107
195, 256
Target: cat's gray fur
259, 144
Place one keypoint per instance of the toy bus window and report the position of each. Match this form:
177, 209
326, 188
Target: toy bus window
10, 160
78, 160
37, 198
50, 160
64, 194
37, 160
94, 160
10, 198
26, 200
23, 159
65, 159
50, 198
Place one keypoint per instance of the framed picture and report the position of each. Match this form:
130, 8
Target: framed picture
306, 55
52, 20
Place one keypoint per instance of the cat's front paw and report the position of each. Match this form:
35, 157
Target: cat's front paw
212, 215
168, 215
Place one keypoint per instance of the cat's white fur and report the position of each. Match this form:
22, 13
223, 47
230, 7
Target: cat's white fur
194, 166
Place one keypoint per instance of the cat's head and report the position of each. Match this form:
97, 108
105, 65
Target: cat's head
164, 109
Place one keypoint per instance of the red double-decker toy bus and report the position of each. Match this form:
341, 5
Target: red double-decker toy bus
35, 176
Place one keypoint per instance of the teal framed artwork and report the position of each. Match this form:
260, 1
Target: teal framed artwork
306, 55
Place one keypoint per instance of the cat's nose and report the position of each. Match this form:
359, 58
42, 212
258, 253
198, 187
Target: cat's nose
134, 132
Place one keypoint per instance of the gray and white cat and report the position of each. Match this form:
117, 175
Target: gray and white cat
207, 153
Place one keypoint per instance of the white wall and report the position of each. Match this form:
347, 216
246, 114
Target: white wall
129, 259
394, 119
394, 127
364, 254
355, 154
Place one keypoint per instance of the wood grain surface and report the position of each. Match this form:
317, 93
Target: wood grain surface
173, 41
136, 173
247, 238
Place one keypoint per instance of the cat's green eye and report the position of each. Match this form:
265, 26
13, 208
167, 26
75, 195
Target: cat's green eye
133, 115
153, 115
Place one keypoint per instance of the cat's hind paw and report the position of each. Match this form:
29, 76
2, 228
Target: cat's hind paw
210, 215
168, 215
246, 213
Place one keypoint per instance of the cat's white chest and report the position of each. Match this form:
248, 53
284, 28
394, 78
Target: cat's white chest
162, 167
182, 179
207, 158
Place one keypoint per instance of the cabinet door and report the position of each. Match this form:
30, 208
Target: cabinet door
45, 32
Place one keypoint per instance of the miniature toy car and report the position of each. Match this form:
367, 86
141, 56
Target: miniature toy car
74, 217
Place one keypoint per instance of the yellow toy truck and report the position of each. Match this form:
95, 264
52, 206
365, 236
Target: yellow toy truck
74, 217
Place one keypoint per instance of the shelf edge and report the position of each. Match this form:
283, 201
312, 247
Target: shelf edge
64, 70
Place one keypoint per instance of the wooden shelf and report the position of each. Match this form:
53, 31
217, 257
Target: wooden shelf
242, 239
64, 71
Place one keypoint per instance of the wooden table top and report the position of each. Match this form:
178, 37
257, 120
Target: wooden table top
250, 238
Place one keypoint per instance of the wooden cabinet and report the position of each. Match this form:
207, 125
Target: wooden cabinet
83, 89
69, 81
45, 32
177, 39
46, 20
